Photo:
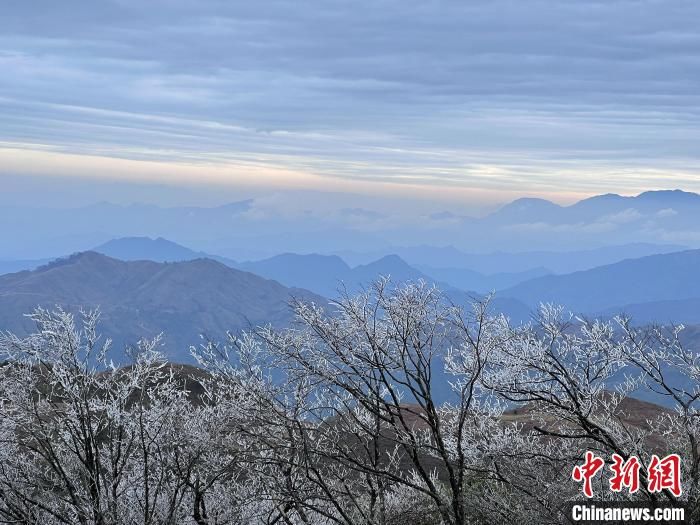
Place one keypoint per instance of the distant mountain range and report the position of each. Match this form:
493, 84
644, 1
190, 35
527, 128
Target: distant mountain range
661, 288
328, 275
674, 203
501, 262
144, 298
254, 229
153, 285
323, 274
484, 283
183, 293
654, 287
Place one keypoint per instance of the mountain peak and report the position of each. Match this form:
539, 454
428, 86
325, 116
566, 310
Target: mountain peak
145, 248
669, 195
88, 257
391, 260
604, 197
525, 203
526, 207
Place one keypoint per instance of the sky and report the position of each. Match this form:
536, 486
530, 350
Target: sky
461, 103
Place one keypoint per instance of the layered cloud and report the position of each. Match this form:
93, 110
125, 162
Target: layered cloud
536, 96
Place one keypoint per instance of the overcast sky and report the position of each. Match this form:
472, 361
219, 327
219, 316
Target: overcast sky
459, 101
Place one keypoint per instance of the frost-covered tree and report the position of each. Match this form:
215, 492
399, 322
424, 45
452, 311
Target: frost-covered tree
356, 394
86, 442
391, 406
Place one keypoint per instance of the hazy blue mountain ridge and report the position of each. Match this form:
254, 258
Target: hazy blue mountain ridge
144, 298
665, 277
253, 229
501, 262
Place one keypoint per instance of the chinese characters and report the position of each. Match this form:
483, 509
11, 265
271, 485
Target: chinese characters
661, 473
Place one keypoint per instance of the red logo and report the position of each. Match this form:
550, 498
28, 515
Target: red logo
587, 471
665, 474
625, 474
662, 474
